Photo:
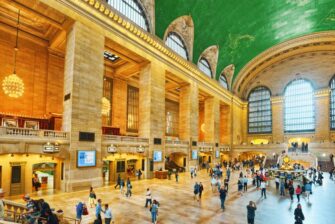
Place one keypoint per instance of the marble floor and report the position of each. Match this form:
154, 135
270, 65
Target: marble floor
177, 204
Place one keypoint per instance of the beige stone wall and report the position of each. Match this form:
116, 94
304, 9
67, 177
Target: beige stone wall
42, 73
277, 119
84, 70
119, 105
322, 125
225, 124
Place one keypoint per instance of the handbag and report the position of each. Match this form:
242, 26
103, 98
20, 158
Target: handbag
85, 210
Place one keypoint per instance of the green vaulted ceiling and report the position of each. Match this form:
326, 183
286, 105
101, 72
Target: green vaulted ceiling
245, 28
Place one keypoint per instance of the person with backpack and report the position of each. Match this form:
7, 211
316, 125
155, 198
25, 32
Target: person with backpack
299, 215
33, 209
196, 191
154, 211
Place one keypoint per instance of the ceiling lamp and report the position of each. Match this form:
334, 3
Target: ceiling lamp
106, 106
13, 85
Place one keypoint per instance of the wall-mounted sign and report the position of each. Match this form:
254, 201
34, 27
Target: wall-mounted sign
194, 154
50, 148
111, 149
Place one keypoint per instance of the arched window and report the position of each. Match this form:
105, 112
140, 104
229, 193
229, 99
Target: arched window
205, 67
260, 114
332, 103
223, 81
176, 43
132, 10
299, 106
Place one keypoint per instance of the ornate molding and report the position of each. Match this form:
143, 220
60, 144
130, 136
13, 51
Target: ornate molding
308, 43
322, 92
277, 99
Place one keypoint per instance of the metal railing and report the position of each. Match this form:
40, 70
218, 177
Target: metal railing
125, 139
176, 142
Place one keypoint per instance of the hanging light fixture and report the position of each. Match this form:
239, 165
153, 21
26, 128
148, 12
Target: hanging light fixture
13, 85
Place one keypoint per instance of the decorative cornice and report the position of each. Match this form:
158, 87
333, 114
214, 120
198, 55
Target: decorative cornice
307, 43
322, 92
277, 99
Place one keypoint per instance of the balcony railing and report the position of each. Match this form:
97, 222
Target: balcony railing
124, 139
176, 142
30, 133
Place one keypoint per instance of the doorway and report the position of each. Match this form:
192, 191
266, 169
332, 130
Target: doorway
46, 175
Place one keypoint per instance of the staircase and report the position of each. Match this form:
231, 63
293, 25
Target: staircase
171, 165
326, 166
270, 162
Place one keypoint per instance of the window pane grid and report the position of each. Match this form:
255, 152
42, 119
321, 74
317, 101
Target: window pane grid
204, 66
299, 107
260, 114
223, 81
175, 42
332, 103
132, 10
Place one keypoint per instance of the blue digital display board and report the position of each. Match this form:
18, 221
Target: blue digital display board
86, 158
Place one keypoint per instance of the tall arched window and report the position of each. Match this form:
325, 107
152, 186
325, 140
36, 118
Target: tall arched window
223, 81
332, 103
260, 114
299, 106
133, 10
205, 67
176, 43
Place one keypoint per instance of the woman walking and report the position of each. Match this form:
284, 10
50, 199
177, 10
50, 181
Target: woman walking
92, 198
154, 211
298, 192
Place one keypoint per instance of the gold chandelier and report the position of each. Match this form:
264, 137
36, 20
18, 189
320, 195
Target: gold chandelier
13, 85
106, 106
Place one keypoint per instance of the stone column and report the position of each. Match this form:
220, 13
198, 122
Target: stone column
212, 123
322, 122
119, 105
277, 119
225, 124
152, 109
245, 126
83, 85
189, 117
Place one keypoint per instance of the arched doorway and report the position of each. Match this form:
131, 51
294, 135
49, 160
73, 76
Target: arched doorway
176, 161
46, 174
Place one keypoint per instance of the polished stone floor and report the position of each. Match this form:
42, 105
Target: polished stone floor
177, 204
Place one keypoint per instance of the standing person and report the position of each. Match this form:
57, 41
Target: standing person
308, 189
196, 190
154, 211
245, 184
251, 208
277, 182
139, 174
263, 189
92, 198
298, 215
79, 211
169, 174
108, 214
129, 187
118, 181
98, 211
240, 186
223, 194
282, 188
291, 191
228, 173
201, 189
298, 192
226, 184
148, 198
177, 175
36, 182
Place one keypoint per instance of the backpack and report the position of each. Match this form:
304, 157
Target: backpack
37, 205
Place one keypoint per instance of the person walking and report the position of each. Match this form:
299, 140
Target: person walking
291, 191
308, 189
226, 184
122, 186
118, 181
79, 211
201, 189
223, 194
299, 215
245, 184
196, 191
98, 210
129, 187
148, 198
251, 208
154, 211
228, 173
108, 215
169, 174
177, 175
277, 182
139, 174
263, 189
298, 191
92, 198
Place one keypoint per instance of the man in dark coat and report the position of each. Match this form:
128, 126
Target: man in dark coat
251, 208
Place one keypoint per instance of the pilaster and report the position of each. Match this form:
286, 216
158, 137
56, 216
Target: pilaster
277, 119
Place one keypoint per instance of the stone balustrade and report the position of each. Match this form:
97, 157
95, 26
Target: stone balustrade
9, 132
14, 211
124, 140
176, 143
